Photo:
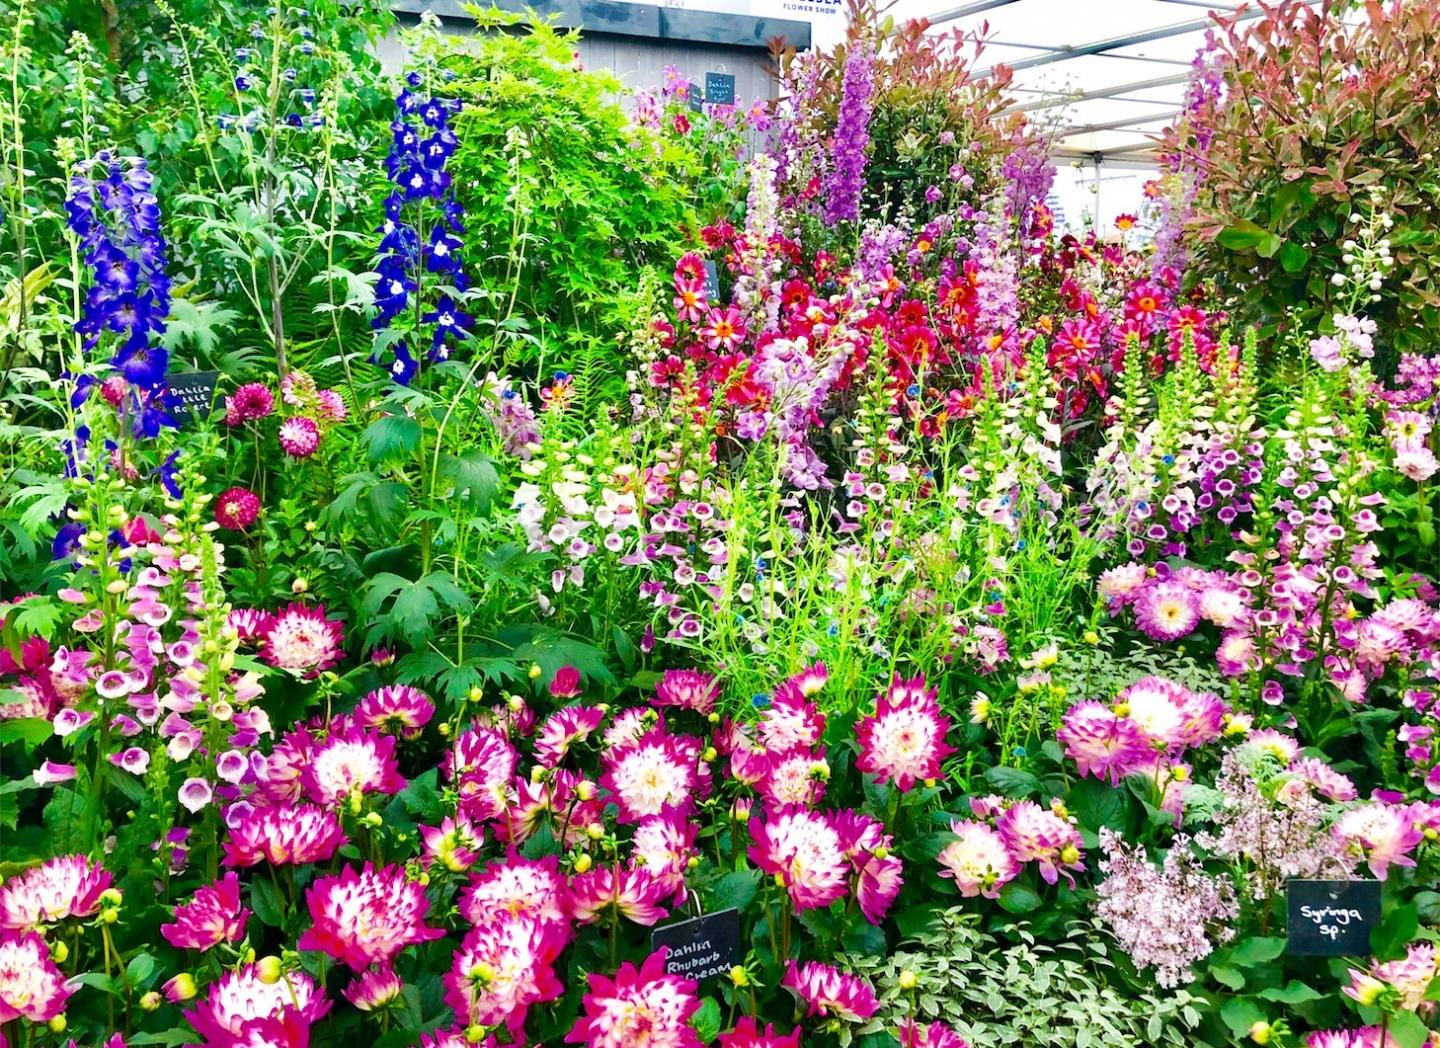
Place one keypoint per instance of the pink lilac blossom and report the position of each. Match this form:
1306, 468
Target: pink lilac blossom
1166, 917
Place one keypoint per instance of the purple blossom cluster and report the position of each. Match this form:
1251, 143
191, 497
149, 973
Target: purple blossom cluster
846, 181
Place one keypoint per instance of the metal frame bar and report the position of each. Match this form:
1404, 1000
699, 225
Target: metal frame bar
1113, 93
966, 10
1117, 125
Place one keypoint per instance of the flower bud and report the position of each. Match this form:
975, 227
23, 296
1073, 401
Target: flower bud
739, 976
535, 671
59, 953
1069, 855
908, 980
476, 694
583, 863
180, 988
269, 969
149, 1002
299, 586
57, 1024
1260, 1031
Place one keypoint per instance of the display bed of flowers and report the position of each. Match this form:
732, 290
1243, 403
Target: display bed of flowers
490, 560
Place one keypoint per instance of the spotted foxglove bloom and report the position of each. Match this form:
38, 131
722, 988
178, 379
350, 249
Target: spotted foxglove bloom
937, 1035
904, 742
563, 729
291, 835
374, 989
355, 762
829, 992
516, 887
243, 1009
1384, 835
803, 852
640, 1006
301, 639
1038, 835
366, 917
31, 987
654, 774
65, 886
501, 968
397, 709
610, 893
687, 689
214, 915
747, 1034
978, 860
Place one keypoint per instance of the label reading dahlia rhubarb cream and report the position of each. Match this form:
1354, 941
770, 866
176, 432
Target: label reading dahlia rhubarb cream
702, 947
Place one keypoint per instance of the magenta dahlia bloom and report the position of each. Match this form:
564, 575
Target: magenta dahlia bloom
501, 968
747, 1034
301, 639
292, 835
31, 987
1384, 835
1038, 835
214, 915
792, 721
794, 778
978, 860
454, 844
242, 1010
65, 886
663, 845
1101, 743
1166, 609
236, 508
1171, 716
397, 709
374, 989
366, 917
516, 887
563, 729
803, 852
937, 1035
299, 436
606, 890
653, 774
829, 992
249, 402
904, 741
877, 870
566, 683
639, 1006
688, 689
351, 763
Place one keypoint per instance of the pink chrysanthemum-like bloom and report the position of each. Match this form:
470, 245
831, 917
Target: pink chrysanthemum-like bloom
978, 860
1324, 779
454, 844
299, 436
516, 887
302, 639
747, 1034
904, 741
249, 402
1102, 744
31, 987
397, 708
664, 845
937, 1035
290, 835
1383, 834
791, 721
366, 917
374, 988
878, 873
1036, 834
501, 968
1171, 716
236, 508
829, 992
653, 774
565, 728
687, 689
355, 762
639, 1007
1167, 610
65, 886
331, 406
634, 894
803, 851
242, 1010
213, 916
1411, 975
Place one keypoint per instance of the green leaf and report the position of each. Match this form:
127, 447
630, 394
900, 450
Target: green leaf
1243, 235
1257, 950
30, 732
197, 323
1012, 782
1228, 977
1240, 1013
706, 1020
1293, 992
393, 436
266, 901
1408, 1030
1097, 804
1293, 258
474, 475
1395, 932
735, 890
1018, 898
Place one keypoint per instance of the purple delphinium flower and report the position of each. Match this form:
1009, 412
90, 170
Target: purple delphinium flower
852, 138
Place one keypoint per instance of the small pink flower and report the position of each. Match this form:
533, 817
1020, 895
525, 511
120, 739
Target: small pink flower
374, 989
366, 917
132, 759
563, 729
213, 916
49, 773
195, 793
803, 852
1036, 834
829, 992
236, 508
978, 860
501, 968
295, 834
747, 1034
566, 683
299, 436
606, 891
249, 402
687, 689
301, 639
398, 709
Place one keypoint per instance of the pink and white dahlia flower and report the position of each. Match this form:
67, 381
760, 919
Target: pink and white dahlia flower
301, 639
366, 917
65, 886
829, 992
31, 987
501, 968
978, 860
292, 835
243, 1010
214, 915
904, 741
350, 763
803, 851
639, 1007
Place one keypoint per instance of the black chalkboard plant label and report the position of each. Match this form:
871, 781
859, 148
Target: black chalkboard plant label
701, 947
1331, 918
192, 394
694, 96
712, 283
720, 89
